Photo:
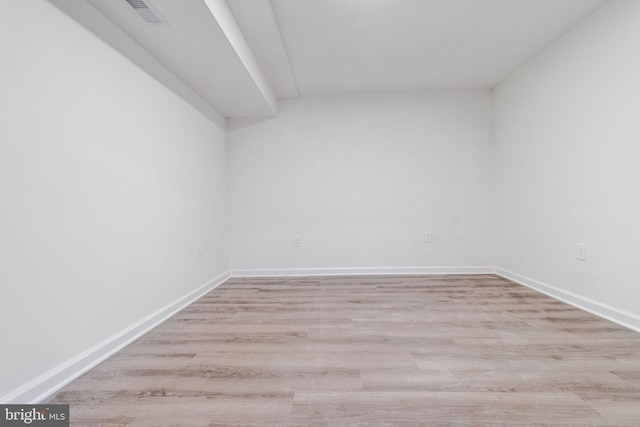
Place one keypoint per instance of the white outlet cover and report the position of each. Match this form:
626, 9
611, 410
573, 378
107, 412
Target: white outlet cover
582, 252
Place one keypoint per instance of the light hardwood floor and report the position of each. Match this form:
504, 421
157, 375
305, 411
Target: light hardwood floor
369, 351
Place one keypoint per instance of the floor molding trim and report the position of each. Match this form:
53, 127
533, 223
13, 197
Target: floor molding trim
360, 271
621, 317
50, 382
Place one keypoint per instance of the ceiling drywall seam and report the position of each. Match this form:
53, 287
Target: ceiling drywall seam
88, 16
223, 16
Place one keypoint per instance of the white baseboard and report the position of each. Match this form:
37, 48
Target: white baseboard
360, 271
621, 317
50, 382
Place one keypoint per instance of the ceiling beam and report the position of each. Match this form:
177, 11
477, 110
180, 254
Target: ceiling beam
223, 16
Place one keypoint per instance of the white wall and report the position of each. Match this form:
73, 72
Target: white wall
568, 153
360, 178
107, 180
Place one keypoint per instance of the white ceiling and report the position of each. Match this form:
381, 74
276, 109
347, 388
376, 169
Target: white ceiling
194, 45
236, 55
400, 45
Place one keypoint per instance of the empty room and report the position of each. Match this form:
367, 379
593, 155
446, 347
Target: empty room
320, 212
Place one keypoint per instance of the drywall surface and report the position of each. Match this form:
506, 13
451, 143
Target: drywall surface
360, 179
107, 181
567, 156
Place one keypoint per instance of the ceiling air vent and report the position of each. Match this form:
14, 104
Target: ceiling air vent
147, 12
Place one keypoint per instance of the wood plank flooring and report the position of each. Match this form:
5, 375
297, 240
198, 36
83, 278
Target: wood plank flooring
369, 351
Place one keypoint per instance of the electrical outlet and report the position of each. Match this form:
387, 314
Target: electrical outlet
582, 252
428, 237
296, 241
